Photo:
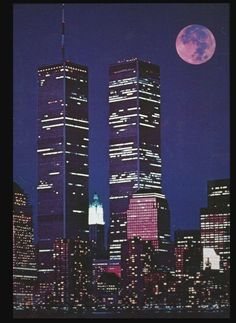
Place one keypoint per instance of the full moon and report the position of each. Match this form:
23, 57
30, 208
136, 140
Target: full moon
195, 44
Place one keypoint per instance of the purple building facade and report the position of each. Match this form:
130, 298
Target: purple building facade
62, 147
134, 147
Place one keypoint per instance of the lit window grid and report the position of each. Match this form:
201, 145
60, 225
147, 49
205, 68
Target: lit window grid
24, 262
72, 271
76, 153
126, 112
135, 264
142, 219
215, 233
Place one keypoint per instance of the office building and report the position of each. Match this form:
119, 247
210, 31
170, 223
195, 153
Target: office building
188, 251
134, 146
136, 264
62, 146
96, 226
73, 274
105, 266
148, 218
107, 291
215, 221
24, 261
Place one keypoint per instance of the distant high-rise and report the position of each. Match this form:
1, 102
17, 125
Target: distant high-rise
107, 291
188, 251
24, 261
96, 226
218, 193
148, 218
62, 158
134, 147
73, 274
105, 284
215, 221
136, 264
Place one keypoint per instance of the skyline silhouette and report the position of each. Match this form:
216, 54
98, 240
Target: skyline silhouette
194, 99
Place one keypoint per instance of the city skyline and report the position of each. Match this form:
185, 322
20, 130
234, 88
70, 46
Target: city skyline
188, 161
195, 279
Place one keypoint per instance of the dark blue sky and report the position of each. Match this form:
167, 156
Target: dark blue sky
194, 98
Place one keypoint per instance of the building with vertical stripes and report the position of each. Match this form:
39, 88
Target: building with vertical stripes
135, 142
62, 147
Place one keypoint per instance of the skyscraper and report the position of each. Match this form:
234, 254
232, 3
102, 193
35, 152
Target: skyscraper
188, 251
136, 260
215, 221
62, 159
148, 218
24, 262
73, 274
96, 226
62, 150
134, 147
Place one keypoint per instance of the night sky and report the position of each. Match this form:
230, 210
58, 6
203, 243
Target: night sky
194, 98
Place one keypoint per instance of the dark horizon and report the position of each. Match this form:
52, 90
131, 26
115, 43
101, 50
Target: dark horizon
195, 118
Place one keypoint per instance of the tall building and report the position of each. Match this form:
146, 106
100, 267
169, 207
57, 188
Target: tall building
62, 148
136, 260
148, 218
73, 274
188, 251
96, 226
106, 289
134, 147
215, 222
24, 261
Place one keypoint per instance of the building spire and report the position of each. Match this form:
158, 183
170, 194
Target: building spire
63, 33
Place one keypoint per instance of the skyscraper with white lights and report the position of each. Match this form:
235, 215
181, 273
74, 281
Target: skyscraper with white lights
24, 261
215, 224
134, 146
62, 147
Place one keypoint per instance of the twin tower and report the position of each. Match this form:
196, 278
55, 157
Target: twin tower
138, 206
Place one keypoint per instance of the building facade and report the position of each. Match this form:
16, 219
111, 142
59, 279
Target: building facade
73, 274
96, 226
215, 221
107, 290
148, 218
62, 147
188, 251
136, 265
134, 146
24, 261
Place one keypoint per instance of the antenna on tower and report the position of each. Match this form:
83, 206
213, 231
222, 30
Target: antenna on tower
63, 33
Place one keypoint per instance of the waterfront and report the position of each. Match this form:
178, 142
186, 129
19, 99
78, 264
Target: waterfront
108, 315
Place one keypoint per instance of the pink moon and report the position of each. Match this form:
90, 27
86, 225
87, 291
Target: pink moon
195, 44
